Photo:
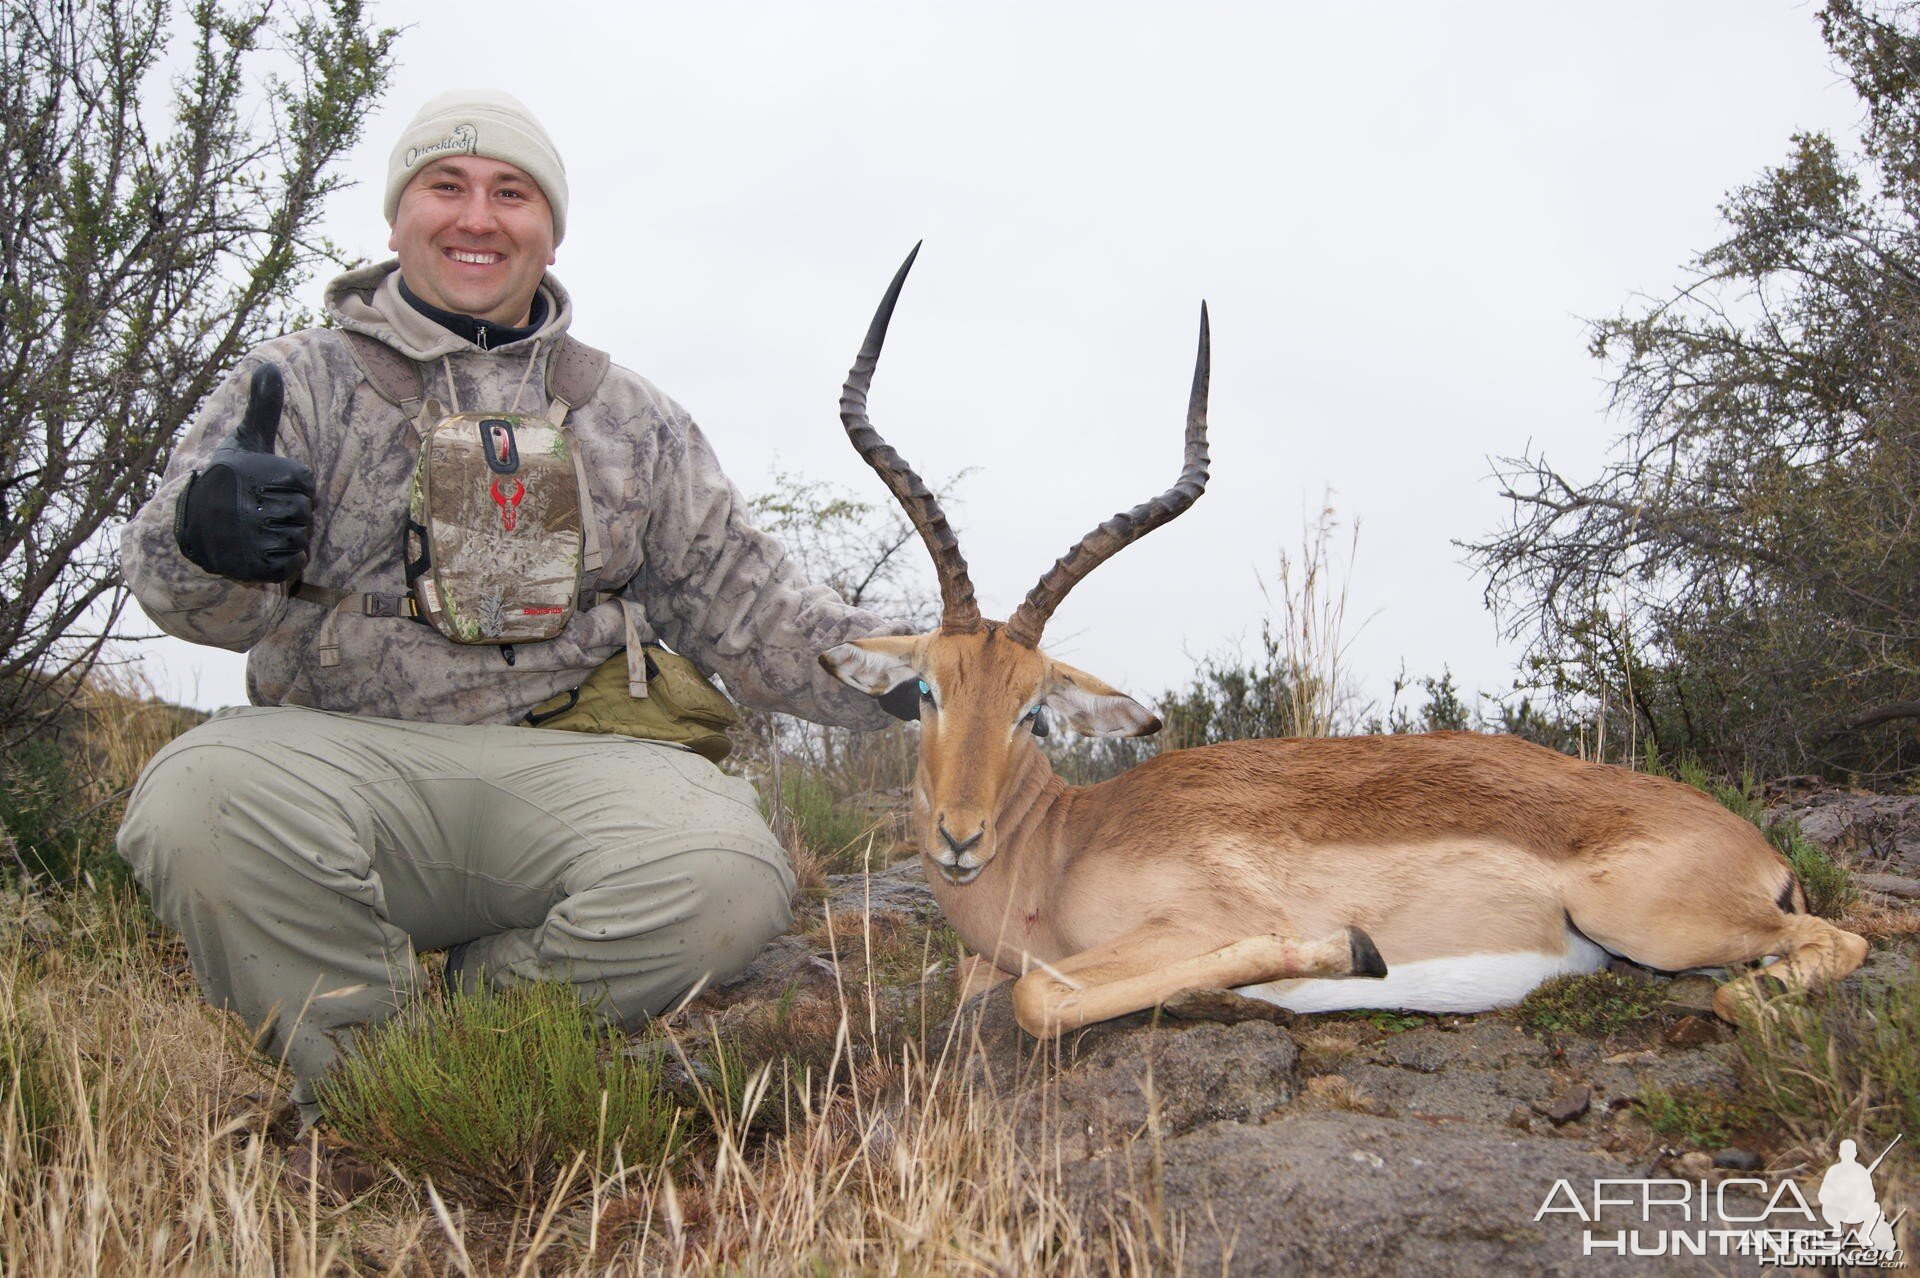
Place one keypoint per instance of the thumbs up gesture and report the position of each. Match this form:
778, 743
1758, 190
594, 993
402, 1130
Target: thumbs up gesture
249, 514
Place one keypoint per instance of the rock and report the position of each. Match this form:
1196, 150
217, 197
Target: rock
1690, 995
1341, 1193
1898, 886
901, 887
1094, 1089
1567, 1106
1520, 1116
1740, 1160
1694, 1031
1692, 1165
1880, 831
787, 964
1476, 1071
1224, 1007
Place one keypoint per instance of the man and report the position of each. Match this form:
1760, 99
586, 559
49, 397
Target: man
383, 795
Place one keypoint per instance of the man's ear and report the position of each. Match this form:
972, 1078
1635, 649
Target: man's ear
874, 665
1094, 708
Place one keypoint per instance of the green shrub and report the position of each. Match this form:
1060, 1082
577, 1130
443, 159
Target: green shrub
1834, 1062
1594, 1003
57, 833
494, 1094
1696, 1118
811, 813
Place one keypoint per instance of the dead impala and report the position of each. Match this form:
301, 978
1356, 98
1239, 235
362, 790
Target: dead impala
1461, 869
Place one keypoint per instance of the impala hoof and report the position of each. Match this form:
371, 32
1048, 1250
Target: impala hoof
1366, 956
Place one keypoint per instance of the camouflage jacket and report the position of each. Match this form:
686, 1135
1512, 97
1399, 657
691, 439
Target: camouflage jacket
676, 536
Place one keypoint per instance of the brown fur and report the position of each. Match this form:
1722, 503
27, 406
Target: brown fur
1200, 866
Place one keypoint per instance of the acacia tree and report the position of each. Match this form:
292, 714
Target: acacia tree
138, 261
1742, 581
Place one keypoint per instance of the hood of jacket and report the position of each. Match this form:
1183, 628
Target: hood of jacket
368, 301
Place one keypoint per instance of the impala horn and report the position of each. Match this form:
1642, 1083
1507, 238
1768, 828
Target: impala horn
1128, 526
959, 613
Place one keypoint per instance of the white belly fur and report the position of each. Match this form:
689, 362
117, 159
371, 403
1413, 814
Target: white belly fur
1461, 983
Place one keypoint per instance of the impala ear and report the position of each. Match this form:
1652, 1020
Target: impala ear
875, 665
1095, 709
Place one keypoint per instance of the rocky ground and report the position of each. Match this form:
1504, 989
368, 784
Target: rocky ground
1372, 1143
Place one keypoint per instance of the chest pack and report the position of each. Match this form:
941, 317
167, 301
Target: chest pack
500, 529
500, 533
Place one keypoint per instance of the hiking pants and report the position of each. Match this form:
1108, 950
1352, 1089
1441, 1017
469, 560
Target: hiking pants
306, 856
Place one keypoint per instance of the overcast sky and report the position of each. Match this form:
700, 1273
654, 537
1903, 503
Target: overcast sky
1400, 215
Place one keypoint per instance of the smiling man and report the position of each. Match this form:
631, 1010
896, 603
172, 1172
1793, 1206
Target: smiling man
457, 546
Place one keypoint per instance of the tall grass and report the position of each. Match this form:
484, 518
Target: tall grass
1311, 616
1829, 1063
145, 1142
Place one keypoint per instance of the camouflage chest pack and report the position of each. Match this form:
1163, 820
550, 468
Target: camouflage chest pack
498, 520
500, 534
500, 530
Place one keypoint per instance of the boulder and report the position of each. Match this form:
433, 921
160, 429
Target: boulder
1097, 1088
1877, 832
1345, 1193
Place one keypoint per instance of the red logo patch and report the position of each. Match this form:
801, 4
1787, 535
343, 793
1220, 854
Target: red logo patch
509, 503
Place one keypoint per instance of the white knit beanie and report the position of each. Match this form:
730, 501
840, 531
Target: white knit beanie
482, 122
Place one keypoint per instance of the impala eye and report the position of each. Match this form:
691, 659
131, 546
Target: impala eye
926, 690
1037, 717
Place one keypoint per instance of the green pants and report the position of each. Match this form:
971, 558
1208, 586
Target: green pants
306, 856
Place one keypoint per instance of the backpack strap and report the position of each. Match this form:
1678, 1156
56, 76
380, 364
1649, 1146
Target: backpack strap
393, 376
574, 372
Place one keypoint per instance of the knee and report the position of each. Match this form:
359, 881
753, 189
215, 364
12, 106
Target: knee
740, 904
172, 821
210, 813
659, 931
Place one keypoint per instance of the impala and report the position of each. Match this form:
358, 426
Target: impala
1457, 870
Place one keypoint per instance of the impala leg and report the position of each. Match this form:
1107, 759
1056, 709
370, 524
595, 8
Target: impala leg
1148, 966
976, 975
1812, 952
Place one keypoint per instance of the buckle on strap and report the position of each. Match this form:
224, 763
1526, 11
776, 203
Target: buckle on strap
373, 605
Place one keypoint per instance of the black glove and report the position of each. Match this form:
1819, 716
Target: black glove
249, 514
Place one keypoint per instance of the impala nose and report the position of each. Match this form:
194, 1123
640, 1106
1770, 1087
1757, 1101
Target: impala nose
962, 845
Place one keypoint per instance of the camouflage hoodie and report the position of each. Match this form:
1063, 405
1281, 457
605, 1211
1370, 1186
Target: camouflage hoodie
677, 540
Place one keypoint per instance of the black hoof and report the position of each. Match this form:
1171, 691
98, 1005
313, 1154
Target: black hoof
1366, 957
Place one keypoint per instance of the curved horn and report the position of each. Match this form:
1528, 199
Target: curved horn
1109, 538
959, 613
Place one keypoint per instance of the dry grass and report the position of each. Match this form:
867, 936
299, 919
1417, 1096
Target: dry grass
153, 1150
122, 724
1878, 919
1311, 626
140, 1134
1331, 1091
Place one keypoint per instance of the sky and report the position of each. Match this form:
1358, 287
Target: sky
1402, 216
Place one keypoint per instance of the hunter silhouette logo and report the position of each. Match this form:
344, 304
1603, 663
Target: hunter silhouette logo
1848, 1203
1770, 1221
